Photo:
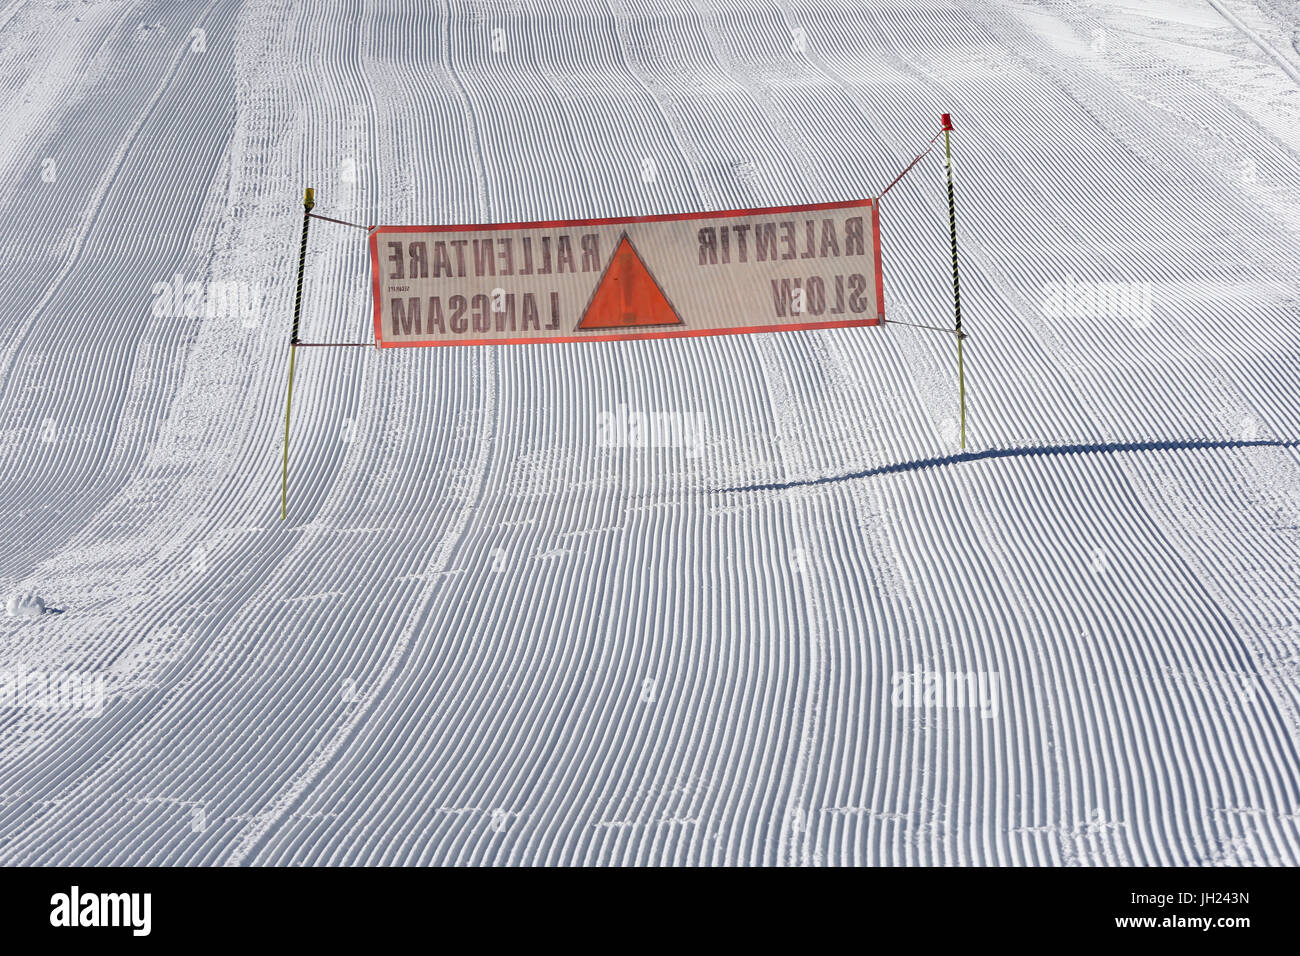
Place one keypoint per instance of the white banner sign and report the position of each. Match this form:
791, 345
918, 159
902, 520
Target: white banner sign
717, 273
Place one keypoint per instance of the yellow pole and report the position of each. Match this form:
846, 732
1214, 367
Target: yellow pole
284, 476
308, 202
956, 286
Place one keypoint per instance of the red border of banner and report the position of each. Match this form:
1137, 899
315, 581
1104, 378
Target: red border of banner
672, 217
880, 272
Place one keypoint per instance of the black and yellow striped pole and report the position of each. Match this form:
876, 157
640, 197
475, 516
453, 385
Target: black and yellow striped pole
956, 286
308, 202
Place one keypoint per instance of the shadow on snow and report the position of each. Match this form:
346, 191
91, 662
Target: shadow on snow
1032, 451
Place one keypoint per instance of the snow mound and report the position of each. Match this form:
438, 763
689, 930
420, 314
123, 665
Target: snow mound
30, 605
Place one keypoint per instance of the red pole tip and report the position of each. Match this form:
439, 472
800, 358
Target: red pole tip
947, 121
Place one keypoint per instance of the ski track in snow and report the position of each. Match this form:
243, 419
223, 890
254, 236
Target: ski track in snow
482, 638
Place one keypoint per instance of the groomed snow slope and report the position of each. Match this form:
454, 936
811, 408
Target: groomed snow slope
481, 637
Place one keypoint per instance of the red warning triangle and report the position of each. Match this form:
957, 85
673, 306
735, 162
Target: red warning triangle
627, 295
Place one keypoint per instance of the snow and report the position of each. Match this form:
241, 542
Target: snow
25, 606
815, 634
